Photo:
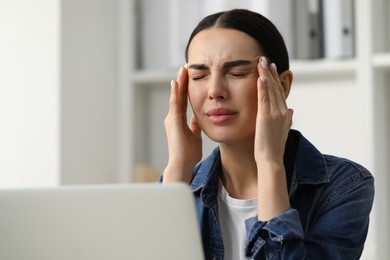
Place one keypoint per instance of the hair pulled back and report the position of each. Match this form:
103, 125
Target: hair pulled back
253, 24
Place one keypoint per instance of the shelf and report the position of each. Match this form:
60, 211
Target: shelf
299, 68
381, 60
153, 77
323, 66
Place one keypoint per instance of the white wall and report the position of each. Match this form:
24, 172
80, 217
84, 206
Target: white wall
88, 91
326, 111
29, 93
58, 92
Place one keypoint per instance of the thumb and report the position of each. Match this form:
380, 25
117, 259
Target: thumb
194, 126
291, 112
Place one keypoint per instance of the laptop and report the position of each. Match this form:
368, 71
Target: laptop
92, 222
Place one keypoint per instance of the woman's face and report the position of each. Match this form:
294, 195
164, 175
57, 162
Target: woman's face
222, 86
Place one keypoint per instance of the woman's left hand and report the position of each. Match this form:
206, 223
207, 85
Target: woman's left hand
274, 118
273, 123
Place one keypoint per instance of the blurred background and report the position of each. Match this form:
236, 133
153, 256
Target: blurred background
84, 87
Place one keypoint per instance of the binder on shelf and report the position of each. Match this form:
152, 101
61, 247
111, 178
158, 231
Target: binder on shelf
279, 12
339, 28
308, 29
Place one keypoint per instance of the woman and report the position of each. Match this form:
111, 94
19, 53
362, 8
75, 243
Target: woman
265, 192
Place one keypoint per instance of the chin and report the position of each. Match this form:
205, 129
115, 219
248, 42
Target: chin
228, 137
218, 136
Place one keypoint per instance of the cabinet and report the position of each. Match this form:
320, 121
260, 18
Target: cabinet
342, 106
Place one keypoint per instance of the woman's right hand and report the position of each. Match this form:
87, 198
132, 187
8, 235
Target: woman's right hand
184, 141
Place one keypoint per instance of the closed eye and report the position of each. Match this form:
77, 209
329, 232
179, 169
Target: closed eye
239, 75
199, 77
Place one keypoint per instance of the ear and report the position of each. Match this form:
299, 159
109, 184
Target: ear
286, 79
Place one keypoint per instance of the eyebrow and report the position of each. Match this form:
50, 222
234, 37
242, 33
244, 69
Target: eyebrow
236, 63
226, 65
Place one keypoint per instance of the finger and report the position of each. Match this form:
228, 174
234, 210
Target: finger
266, 83
274, 74
182, 80
274, 87
262, 96
279, 90
195, 127
173, 102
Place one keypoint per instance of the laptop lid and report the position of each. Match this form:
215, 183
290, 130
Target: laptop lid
118, 221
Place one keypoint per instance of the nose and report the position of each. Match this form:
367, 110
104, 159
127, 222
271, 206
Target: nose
217, 88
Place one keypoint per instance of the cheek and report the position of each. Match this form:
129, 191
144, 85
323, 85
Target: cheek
250, 98
253, 95
248, 91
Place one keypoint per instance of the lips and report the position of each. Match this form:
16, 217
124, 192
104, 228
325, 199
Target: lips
220, 115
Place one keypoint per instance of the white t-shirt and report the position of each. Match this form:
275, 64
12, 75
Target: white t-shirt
232, 215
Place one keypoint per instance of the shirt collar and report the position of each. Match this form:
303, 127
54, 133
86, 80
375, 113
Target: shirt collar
206, 170
309, 167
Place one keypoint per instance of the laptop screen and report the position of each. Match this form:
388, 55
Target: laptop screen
118, 221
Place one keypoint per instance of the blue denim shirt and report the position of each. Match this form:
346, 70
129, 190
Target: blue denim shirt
331, 200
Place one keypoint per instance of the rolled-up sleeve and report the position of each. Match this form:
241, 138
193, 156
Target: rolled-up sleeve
272, 237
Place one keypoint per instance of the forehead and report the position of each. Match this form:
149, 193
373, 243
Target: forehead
216, 45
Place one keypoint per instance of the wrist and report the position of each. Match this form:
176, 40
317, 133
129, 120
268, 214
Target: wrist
272, 193
177, 174
270, 166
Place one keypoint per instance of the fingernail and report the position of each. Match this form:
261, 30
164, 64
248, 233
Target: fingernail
264, 62
171, 83
180, 71
186, 65
273, 65
262, 79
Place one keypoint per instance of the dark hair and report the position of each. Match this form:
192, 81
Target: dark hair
255, 25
